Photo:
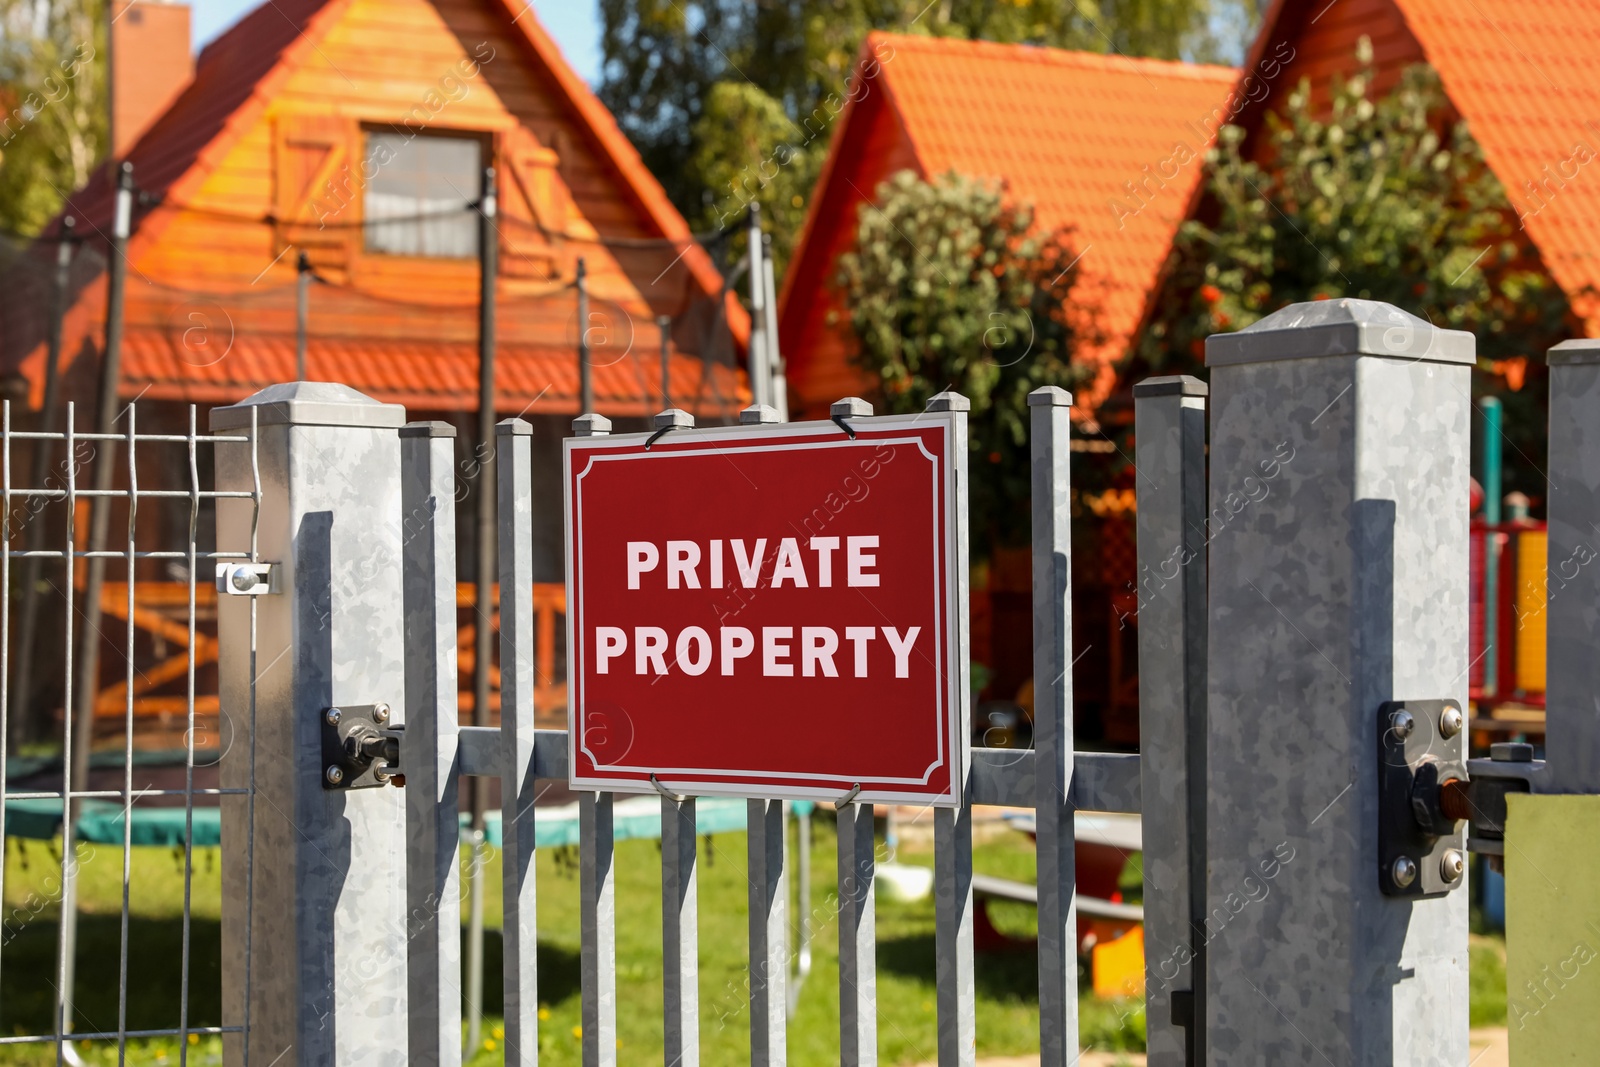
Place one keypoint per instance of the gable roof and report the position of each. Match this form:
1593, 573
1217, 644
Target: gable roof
1525, 75
1108, 146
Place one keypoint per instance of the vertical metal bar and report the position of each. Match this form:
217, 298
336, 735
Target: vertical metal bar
777, 387
953, 973
802, 955
598, 930
483, 610
514, 463
127, 741
433, 830
858, 967
664, 324
302, 313
769, 930
1340, 441
1489, 478
760, 378
585, 371
1573, 583
1049, 411
680, 932
189, 741
67, 946
1170, 436
327, 980
28, 629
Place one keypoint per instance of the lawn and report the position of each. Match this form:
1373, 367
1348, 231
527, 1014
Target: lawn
1006, 984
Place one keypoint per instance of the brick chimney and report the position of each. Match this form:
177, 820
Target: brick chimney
152, 63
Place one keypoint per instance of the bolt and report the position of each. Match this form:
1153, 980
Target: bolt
1402, 723
1511, 752
1450, 721
1452, 864
1404, 871
380, 713
332, 716
334, 774
381, 775
243, 579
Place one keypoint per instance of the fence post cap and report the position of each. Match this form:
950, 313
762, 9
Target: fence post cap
1171, 385
1343, 327
673, 419
758, 415
309, 404
591, 425
948, 401
513, 428
427, 429
850, 407
1050, 396
1578, 350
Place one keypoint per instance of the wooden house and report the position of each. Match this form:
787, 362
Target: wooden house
1077, 136
356, 133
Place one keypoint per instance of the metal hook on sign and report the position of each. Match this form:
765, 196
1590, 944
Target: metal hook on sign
850, 407
657, 436
670, 419
845, 426
659, 788
848, 797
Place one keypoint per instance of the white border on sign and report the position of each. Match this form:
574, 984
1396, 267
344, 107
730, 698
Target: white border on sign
948, 583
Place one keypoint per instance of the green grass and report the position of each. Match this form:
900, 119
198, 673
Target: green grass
1006, 983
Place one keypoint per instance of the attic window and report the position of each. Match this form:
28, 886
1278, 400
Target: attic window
426, 184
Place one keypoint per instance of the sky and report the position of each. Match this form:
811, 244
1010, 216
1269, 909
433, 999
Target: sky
575, 25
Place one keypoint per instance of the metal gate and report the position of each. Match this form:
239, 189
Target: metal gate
1302, 626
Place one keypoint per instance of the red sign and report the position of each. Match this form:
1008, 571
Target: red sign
772, 611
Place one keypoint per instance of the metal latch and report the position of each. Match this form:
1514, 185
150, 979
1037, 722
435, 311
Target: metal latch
247, 579
360, 750
1423, 802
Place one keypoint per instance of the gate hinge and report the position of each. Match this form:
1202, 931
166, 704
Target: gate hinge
247, 579
1423, 803
360, 748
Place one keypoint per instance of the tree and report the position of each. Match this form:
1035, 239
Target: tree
52, 88
729, 101
1384, 199
949, 287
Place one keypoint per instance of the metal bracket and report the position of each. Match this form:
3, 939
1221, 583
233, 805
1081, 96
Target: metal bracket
247, 579
360, 750
1422, 799
1510, 768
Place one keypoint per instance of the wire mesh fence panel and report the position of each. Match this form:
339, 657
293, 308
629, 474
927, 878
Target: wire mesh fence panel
111, 731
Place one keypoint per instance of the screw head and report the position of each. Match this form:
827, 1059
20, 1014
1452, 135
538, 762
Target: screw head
243, 579
1452, 864
1450, 721
1401, 723
380, 713
332, 716
334, 774
1403, 871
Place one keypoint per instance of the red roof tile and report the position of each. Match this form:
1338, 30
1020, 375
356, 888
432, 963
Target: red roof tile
530, 378
1086, 139
1526, 77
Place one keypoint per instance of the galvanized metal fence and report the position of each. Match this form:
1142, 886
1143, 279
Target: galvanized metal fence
51, 504
1303, 783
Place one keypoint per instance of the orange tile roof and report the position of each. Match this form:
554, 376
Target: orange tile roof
1526, 77
1073, 133
426, 376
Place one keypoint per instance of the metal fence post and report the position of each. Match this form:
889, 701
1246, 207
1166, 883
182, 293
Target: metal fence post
954, 976
1049, 415
1572, 729
513, 464
313, 956
769, 935
858, 968
1170, 442
433, 830
1338, 580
